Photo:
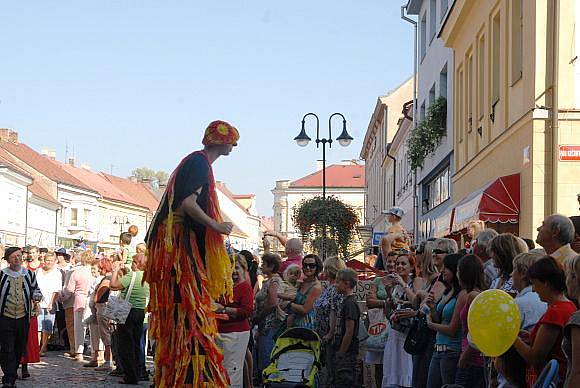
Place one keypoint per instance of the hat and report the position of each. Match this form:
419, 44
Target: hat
396, 211
9, 251
62, 252
220, 132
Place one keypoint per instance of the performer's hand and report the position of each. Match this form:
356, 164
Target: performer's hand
225, 228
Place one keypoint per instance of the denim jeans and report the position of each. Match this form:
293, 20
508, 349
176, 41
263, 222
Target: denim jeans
442, 368
470, 376
265, 346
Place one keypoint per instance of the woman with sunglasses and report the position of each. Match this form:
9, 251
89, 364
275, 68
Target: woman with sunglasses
397, 363
308, 292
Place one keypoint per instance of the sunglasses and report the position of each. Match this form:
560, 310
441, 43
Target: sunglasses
309, 265
439, 252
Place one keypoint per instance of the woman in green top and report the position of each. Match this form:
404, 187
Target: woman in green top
131, 331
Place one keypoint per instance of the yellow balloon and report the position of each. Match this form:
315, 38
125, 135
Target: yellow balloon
494, 322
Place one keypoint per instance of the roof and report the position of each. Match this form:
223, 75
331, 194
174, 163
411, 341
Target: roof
222, 187
99, 183
47, 167
35, 188
268, 223
139, 192
244, 196
337, 175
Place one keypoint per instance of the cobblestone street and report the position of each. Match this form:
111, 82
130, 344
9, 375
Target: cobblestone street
55, 370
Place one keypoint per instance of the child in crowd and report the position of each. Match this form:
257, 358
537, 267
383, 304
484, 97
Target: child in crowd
346, 341
125, 255
287, 292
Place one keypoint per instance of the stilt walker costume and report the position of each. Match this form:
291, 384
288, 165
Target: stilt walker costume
188, 269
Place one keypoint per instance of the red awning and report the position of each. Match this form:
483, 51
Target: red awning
497, 201
363, 268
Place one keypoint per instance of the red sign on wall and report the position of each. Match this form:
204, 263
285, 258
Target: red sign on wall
570, 153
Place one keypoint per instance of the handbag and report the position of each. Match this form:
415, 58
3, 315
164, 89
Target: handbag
419, 335
377, 330
117, 309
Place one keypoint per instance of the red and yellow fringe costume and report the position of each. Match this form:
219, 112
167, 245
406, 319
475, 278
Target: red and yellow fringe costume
179, 343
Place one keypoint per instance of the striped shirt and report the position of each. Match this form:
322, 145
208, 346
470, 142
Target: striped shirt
29, 288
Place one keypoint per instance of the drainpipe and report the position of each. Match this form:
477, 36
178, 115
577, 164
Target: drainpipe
56, 228
26, 219
415, 118
394, 171
555, 108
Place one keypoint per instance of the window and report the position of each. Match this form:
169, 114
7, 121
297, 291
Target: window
444, 6
432, 95
432, 19
468, 92
443, 82
495, 53
74, 213
436, 191
423, 31
422, 112
517, 39
460, 104
87, 216
481, 77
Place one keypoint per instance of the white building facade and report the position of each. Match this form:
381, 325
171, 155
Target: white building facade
381, 130
434, 79
398, 170
13, 203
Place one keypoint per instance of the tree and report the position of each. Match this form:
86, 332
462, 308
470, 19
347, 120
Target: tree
317, 217
145, 173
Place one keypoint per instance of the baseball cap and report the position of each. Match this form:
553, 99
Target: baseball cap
396, 211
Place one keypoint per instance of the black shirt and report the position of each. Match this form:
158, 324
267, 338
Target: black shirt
192, 176
348, 311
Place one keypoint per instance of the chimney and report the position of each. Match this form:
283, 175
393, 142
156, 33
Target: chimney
133, 179
49, 153
85, 166
8, 136
71, 161
319, 165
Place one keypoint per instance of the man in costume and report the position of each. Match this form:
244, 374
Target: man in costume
189, 268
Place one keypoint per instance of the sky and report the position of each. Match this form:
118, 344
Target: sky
126, 84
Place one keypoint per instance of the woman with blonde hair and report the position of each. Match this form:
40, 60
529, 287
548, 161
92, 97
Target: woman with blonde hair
235, 331
325, 309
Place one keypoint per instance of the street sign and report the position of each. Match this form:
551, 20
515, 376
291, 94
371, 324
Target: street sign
377, 236
569, 153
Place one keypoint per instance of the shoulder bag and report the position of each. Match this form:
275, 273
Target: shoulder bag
117, 309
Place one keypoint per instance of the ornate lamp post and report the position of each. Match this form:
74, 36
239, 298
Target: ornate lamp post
121, 221
344, 139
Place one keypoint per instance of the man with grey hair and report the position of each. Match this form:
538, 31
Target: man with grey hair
480, 249
555, 235
292, 247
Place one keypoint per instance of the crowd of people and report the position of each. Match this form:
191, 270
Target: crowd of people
423, 294
50, 300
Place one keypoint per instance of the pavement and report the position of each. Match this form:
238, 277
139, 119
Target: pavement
55, 370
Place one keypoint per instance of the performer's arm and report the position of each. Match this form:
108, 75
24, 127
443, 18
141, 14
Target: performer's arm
191, 207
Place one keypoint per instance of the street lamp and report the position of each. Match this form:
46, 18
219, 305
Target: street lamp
121, 221
303, 139
344, 140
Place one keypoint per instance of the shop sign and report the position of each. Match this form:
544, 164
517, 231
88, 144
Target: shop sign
569, 153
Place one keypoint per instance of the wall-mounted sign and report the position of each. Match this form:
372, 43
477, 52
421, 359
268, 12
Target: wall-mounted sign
569, 153
377, 236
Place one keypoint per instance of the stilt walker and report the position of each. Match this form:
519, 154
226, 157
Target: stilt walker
189, 268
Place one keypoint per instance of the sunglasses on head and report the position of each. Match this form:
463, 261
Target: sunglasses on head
309, 265
439, 251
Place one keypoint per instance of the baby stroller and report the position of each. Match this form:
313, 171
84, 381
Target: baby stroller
296, 360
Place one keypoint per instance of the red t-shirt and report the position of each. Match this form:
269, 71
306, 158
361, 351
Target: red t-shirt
558, 315
244, 304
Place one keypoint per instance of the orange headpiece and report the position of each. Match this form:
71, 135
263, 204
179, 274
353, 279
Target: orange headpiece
220, 132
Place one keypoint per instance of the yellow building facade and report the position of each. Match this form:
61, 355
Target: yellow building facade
516, 101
